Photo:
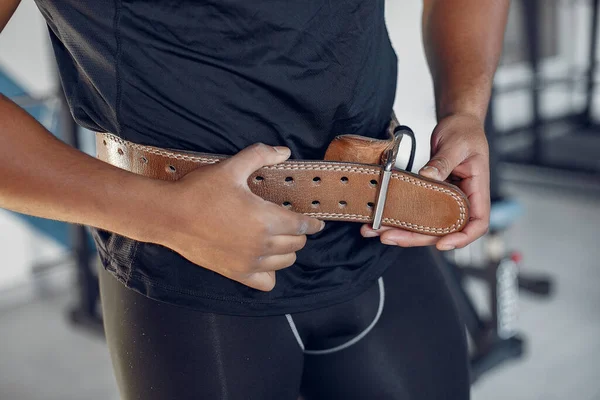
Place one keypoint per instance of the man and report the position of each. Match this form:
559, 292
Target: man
193, 305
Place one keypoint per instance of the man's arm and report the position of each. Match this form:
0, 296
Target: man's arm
463, 42
42, 176
7, 9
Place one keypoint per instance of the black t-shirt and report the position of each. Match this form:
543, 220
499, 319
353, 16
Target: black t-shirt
217, 76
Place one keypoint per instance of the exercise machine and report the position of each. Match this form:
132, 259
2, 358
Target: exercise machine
565, 145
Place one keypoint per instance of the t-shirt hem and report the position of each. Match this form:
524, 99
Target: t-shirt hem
239, 306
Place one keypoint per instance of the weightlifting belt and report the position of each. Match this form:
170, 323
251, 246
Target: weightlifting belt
356, 182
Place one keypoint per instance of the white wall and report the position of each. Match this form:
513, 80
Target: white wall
415, 105
25, 52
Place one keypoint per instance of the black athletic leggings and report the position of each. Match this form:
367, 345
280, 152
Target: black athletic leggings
401, 339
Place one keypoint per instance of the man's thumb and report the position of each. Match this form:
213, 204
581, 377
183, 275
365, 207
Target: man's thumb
438, 168
257, 156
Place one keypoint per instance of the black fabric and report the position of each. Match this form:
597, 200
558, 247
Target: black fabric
416, 351
217, 76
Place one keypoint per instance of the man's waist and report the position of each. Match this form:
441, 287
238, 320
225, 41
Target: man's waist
356, 182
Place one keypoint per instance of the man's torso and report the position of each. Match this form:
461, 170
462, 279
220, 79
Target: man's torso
217, 76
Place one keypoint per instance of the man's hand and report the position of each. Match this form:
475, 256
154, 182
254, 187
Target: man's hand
215, 221
463, 42
209, 216
459, 150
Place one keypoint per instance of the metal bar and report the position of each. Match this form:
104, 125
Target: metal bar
589, 173
544, 83
383, 188
568, 121
490, 132
531, 29
592, 55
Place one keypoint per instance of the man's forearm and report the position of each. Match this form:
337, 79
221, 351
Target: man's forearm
463, 42
7, 9
42, 176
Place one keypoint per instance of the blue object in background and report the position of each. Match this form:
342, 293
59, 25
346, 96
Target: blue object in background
504, 213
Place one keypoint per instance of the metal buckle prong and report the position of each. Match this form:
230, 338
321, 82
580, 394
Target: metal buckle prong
390, 162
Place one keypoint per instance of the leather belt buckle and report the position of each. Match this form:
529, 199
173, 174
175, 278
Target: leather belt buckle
391, 155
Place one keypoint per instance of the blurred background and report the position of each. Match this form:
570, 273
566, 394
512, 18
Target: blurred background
528, 291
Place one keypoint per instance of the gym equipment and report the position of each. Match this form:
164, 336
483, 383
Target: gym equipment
568, 144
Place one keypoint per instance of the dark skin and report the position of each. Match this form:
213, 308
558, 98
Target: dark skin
242, 236
7, 9
41, 176
463, 43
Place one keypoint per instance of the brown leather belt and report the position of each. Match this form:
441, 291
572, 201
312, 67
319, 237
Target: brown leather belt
356, 182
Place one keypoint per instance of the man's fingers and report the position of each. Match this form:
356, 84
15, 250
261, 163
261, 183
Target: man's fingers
473, 231
442, 164
277, 262
285, 244
264, 281
244, 163
286, 222
478, 190
366, 230
402, 238
479, 197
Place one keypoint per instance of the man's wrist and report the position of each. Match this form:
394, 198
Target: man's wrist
475, 117
473, 102
135, 206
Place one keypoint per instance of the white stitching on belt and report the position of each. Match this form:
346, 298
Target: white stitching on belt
329, 167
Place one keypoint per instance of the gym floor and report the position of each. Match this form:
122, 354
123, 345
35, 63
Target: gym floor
44, 358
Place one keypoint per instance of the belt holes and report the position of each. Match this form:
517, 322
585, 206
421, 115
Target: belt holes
120, 151
258, 179
343, 203
316, 203
317, 180
144, 160
289, 180
370, 205
171, 169
344, 179
286, 204
373, 183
